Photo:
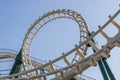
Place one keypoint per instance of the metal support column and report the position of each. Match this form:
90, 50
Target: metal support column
103, 70
104, 67
108, 69
17, 64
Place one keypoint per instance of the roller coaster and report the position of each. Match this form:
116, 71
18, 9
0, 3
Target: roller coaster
32, 69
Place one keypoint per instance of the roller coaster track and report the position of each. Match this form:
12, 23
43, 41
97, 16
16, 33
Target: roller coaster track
76, 66
11, 54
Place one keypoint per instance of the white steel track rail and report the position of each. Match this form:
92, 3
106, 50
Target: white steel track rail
39, 23
71, 70
8, 53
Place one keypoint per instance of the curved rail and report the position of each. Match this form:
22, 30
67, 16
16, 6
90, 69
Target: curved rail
72, 70
9, 53
39, 23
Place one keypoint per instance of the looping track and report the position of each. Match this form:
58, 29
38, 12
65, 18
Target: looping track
76, 68
39, 23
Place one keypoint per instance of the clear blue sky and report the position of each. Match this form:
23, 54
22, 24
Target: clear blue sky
17, 16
